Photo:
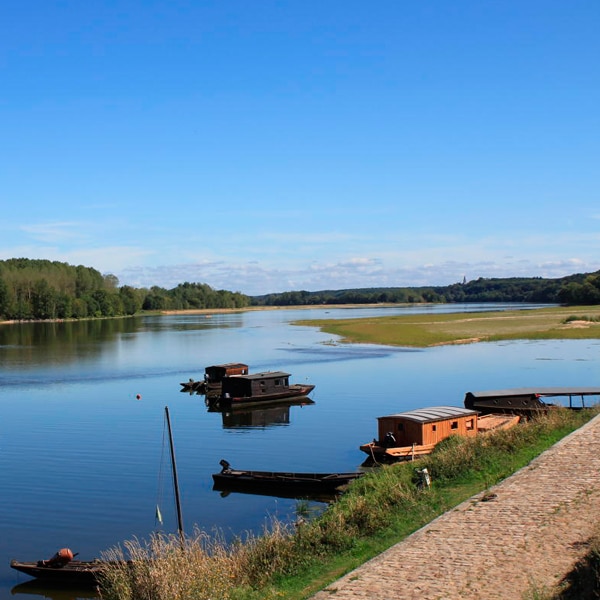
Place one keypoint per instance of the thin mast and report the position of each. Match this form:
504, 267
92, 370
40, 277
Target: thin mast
175, 481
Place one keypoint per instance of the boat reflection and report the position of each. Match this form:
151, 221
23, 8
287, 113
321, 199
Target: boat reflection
267, 415
53, 591
228, 489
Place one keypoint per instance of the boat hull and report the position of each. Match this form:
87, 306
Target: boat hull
289, 484
293, 391
75, 572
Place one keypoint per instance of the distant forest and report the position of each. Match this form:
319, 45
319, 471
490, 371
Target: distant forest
42, 289
581, 289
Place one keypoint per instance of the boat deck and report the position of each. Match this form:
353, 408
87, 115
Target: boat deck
494, 422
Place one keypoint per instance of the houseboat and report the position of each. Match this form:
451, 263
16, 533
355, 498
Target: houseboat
528, 401
213, 376
261, 387
409, 435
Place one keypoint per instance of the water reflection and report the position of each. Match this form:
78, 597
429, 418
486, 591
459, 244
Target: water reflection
226, 490
52, 591
241, 417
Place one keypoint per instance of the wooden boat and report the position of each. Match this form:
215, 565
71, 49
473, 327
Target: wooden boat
62, 568
296, 484
261, 387
75, 572
528, 401
415, 433
213, 377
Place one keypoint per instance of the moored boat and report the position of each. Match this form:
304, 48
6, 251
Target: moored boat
415, 433
62, 568
291, 484
261, 387
528, 401
213, 377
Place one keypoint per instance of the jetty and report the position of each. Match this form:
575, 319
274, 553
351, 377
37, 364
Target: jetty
526, 533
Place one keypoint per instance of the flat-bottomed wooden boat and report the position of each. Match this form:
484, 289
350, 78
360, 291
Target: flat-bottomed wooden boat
298, 484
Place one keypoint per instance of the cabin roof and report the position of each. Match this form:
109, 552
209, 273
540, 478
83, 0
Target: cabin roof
540, 391
265, 375
433, 413
229, 366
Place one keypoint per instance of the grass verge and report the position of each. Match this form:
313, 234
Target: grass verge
293, 561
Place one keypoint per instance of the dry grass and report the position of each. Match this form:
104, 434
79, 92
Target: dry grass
161, 568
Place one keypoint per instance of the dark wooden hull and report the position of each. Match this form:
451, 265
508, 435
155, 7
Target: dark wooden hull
291, 484
76, 572
529, 401
297, 390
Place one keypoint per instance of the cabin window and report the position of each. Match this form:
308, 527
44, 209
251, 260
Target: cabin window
278, 382
434, 428
400, 426
470, 424
454, 425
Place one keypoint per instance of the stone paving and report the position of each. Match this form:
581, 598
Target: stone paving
526, 538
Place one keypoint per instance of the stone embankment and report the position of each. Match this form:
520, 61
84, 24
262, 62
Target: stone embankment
520, 537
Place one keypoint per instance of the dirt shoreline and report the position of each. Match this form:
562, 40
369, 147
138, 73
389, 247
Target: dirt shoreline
203, 311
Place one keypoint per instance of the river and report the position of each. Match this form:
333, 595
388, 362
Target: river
82, 448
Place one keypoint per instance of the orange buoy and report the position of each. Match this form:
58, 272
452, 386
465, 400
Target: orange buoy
63, 557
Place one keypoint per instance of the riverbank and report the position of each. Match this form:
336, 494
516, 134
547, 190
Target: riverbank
216, 311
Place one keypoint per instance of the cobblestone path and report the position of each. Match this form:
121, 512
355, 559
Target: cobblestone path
528, 537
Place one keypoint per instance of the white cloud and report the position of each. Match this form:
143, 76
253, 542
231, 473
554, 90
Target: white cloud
254, 278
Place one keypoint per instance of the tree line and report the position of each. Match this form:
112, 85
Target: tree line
580, 289
42, 289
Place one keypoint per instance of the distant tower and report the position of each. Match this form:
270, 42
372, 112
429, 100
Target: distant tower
464, 280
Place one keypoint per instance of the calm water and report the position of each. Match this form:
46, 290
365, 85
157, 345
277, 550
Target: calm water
82, 456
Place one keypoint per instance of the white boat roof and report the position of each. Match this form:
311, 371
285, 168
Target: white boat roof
434, 413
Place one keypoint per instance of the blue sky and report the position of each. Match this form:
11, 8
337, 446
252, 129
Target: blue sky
282, 145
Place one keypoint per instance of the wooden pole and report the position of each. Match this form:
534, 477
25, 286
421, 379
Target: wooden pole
175, 481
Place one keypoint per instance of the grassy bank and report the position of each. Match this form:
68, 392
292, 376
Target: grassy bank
294, 561
425, 330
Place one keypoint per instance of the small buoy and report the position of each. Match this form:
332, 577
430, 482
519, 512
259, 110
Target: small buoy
138, 396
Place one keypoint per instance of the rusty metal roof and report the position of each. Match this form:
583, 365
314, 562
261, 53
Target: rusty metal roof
434, 413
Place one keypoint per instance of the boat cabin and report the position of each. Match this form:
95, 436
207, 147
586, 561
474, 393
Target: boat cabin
255, 385
216, 373
426, 426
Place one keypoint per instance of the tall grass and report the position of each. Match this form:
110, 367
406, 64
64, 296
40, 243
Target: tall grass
294, 560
